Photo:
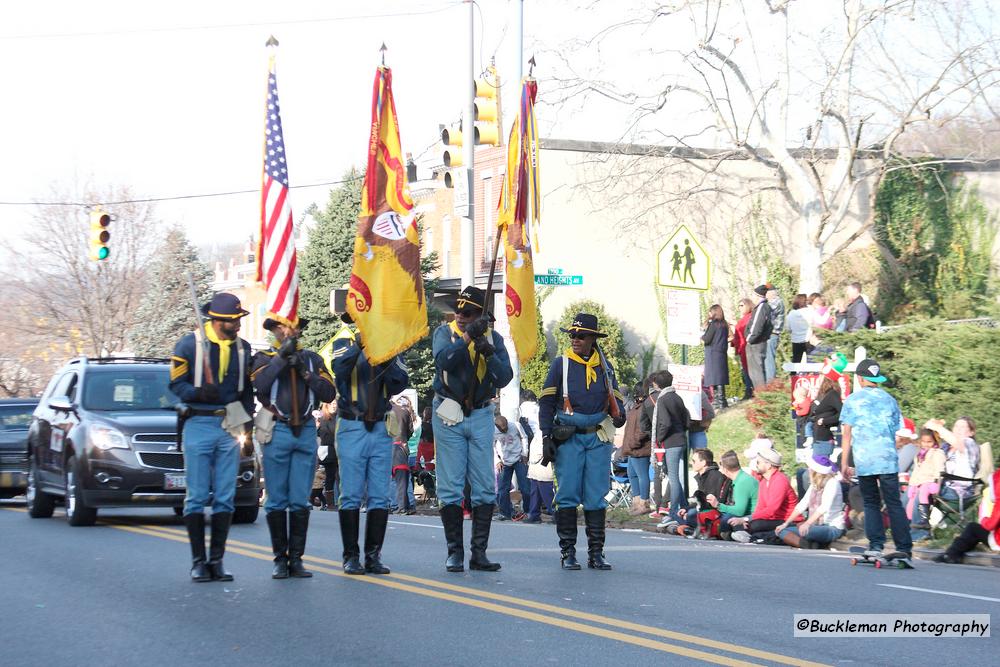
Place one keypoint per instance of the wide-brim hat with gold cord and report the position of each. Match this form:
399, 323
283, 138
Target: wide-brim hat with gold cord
224, 306
584, 323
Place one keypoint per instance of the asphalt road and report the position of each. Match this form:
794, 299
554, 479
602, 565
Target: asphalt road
118, 593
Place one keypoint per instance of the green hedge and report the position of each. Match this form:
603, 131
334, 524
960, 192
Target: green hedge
936, 370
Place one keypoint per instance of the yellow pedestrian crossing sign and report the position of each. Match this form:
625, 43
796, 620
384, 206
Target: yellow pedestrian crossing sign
682, 263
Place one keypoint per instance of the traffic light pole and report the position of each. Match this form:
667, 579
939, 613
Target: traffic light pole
467, 233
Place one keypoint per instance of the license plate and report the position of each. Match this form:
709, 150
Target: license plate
174, 481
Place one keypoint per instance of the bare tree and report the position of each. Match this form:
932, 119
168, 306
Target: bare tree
68, 302
816, 95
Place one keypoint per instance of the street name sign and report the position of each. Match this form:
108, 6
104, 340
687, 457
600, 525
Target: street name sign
557, 279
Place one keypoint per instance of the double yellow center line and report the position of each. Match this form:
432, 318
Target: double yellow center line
552, 615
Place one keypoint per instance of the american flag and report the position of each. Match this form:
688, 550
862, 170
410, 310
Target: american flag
276, 265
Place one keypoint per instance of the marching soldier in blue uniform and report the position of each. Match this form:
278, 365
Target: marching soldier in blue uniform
212, 380
364, 446
290, 383
463, 424
579, 408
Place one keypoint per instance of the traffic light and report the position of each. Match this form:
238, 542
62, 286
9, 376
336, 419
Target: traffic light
99, 235
487, 106
451, 137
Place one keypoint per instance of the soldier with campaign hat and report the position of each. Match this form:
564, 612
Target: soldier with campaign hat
579, 409
472, 366
364, 446
210, 373
290, 382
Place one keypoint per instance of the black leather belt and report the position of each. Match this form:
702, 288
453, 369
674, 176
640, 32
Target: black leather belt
587, 429
208, 413
475, 406
357, 418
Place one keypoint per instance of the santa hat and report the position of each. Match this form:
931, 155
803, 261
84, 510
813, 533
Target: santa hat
908, 431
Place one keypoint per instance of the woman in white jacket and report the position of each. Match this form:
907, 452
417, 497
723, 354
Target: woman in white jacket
823, 507
539, 476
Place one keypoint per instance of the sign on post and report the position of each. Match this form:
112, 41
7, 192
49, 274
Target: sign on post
687, 384
682, 263
683, 317
460, 199
557, 279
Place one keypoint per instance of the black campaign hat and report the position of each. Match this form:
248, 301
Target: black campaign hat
470, 297
584, 323
271, 322
224, 306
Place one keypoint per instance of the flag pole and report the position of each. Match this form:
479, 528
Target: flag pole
474, 385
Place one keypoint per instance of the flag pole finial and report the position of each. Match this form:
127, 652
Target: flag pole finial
531, 64
271, 41
382, 50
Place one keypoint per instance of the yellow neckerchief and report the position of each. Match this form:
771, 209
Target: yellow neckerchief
590, 364
481, 369
224, 347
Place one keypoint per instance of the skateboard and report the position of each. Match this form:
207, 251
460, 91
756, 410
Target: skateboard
879, 559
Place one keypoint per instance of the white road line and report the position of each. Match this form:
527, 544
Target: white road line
936, 592
422, 525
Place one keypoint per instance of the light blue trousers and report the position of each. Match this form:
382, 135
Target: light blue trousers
365, 464
583, 466
464, 452
289, 468
211, 460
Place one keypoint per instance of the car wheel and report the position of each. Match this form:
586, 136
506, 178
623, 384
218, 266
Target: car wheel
246, 514
77, 512
40, 504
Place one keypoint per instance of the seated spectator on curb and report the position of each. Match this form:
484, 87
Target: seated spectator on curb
986, 530
962, 452
757, 445
775, 500
906, 448
702, 517
924, 480
743, 491
823, 507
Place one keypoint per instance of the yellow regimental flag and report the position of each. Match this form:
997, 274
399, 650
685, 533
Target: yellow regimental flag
386, 295
518, 221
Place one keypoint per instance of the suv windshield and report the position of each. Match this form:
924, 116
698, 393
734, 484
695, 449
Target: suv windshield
15, 417
125, 389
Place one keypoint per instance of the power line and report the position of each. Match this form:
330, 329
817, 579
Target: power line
222, 26
147, 200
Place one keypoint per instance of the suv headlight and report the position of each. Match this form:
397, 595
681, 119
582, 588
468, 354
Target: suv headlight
104, 437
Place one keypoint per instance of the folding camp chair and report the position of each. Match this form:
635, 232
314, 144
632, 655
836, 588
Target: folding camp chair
620, 494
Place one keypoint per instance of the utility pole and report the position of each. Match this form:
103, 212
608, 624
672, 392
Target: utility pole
467, 230
510, 396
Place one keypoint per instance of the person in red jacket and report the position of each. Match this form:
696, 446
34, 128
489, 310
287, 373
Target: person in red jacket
739, 342
987, 530
775, 499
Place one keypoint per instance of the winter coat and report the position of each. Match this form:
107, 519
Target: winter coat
740, 338
536, 470
672, 420
759, 329
709, 482
858, 316
828, 408
716, 340
636, 441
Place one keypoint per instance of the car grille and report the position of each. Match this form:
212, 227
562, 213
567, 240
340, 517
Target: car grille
165, 460
155, 438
